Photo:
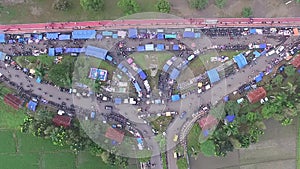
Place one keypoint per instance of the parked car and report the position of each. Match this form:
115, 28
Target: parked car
182, 115
108, 107
279, 49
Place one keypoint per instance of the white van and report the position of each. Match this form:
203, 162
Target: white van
270, 53
279, 49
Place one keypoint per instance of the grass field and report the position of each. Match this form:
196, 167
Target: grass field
146, 59
20, 150
41, 11
298, 145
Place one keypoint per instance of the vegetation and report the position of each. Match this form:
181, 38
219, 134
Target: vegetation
220, 3
164, 160
61, 5
161, 123
129, 6
182, 163
248, 125
92, 5
247, 12
198, 4
163, 6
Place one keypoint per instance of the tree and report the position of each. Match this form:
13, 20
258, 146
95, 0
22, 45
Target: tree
199, 4
182, 163
290, 88
290, 71
277, 80
220, 3
287, 121
129, 6
247, 12
163, 6
268, 110
61, 5
208, 148
92, 5
105, 157
232, 108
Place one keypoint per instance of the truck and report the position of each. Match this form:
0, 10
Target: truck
175, 138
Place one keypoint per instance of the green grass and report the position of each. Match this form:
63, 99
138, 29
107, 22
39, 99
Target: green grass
59, 160
9, 117
164, 160
8, 142
145, 59
37, 11
25, 161
298, 142
193, 139
163, 121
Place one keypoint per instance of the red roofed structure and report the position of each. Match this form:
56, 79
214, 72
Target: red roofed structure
208, 122
64, 121
13, 101
114, 134
296, 62
256, 95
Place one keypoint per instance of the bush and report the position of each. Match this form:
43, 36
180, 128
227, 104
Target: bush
220, 3
247, 12
198, 4
92, 5
61, 5
129, 6
163, 6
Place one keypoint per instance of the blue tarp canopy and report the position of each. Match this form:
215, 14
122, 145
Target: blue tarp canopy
37, 36
252, 31
124, 69
96, 52
139, 140
120, 66
160, 36
64, 37
142, 75
32, 105
230, 118
84, 34
2, 56
160, 47
38, 79
118, 100
58, 50
259, 77
74, 50
256, 53
115, 36
166, 67
107, 33
240, 60
132, 33
52, 35
205, 133
263, 53
226, 98
149, 47
2, 37
174, 74
51, 52
99, 36
197, 35
175, 47
262, 46
175, 98
109, 58
137, 87
213, 75
170, 36
141, 48
188, 34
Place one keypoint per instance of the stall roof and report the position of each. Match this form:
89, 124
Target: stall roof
170, 36
213, 75
188, 34
166, 67
58, 50
257, 94
137, 87
38, 79
174, 74
230, 118
256, 53
99, 74
32, 105
197, 35
160, 36
74, 50
96, 52
118, 100
107, 33
149, 47
64, 121
240, 60
208, 122
2, 37
296, 32
160, 47
52, 35
296, 62
141, 48
252, 31
84, 34
175, 47
109, 58
64, 37
132, 33
142, 75
175, 98
51, 52
114, 134
262, 46
2, 56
